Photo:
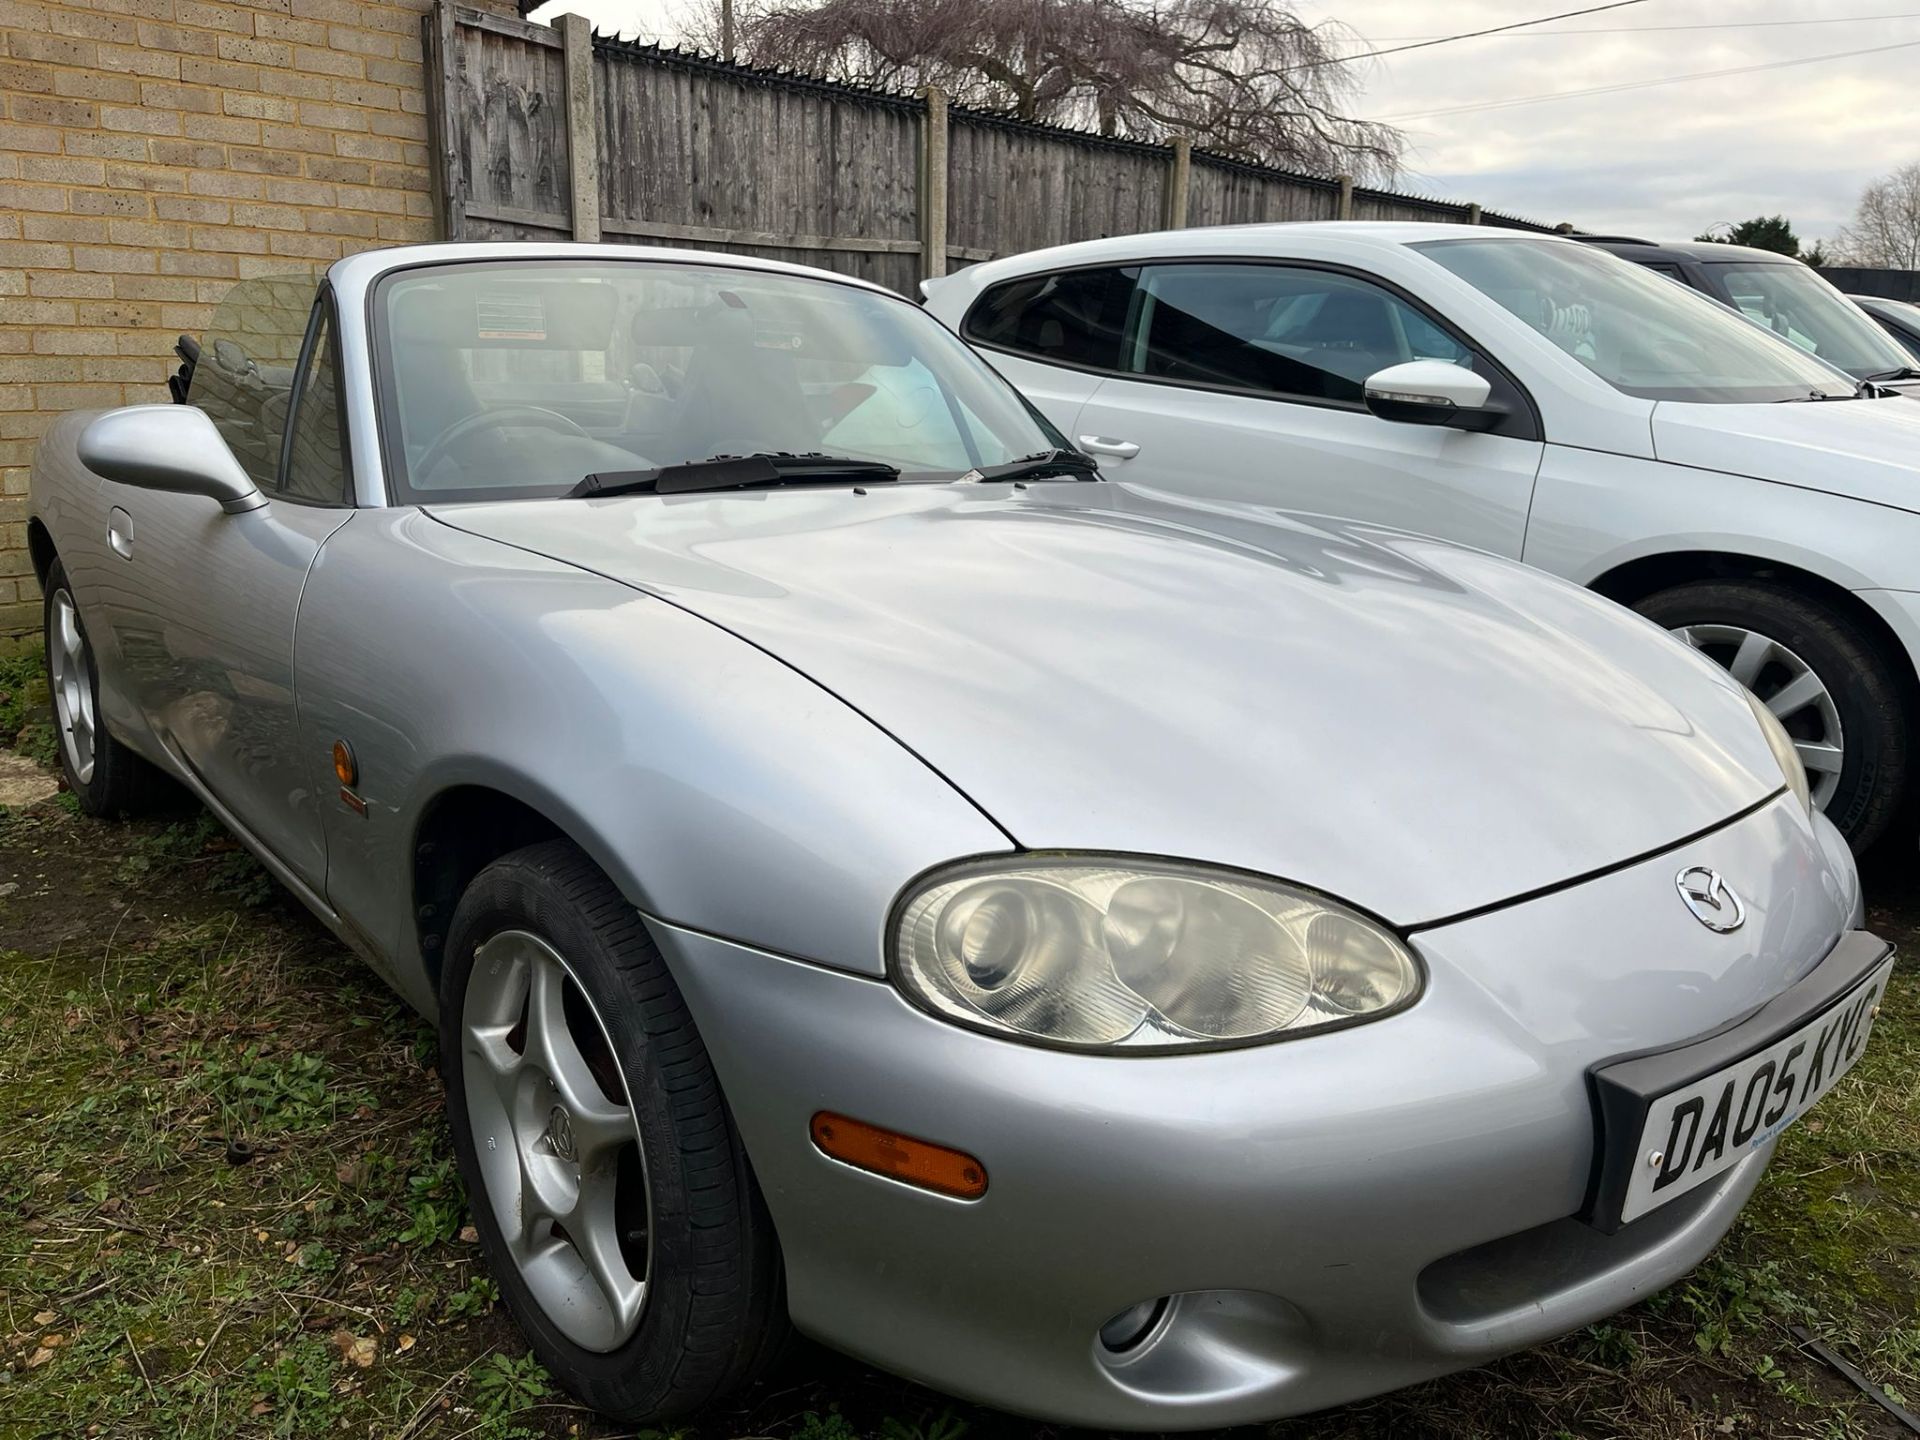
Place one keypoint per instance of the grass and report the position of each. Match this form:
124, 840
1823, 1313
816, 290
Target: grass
25, 725
227, 1209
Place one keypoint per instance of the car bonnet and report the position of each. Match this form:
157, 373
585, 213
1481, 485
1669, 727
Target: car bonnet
1418, 729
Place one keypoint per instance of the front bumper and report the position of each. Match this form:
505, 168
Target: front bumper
1336, 1216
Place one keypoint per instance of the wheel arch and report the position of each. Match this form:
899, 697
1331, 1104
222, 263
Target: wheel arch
461, 830
40, 551
1635, 579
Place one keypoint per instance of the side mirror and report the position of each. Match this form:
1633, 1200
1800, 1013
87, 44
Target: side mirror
168, 447
1429, 392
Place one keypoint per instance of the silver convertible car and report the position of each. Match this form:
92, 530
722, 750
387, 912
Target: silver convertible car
1131, 960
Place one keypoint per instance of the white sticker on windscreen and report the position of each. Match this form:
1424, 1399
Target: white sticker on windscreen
510, 316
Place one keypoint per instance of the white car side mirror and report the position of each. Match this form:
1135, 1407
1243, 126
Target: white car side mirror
168, 447
1427, 392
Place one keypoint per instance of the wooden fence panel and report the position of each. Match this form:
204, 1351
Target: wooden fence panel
504, 127
696, 152
1373, 205
1229, 194
690, 155
1017, 187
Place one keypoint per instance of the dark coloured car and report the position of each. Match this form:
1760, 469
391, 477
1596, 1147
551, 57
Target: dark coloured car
1899, 318
1782, 293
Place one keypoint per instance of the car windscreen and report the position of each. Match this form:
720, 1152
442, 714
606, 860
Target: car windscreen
506, 379
1640, 332
1798, 305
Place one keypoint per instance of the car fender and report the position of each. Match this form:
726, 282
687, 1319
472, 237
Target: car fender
719, 788
1594, 513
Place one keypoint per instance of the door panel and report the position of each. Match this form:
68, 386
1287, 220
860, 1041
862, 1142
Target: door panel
1251, 384
203, 606
1473, 489
203, 620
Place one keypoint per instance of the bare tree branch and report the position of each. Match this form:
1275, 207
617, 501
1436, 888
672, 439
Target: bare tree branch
1885, 230
1246, 78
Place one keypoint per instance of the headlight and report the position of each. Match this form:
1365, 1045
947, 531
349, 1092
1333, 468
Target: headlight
1097, 953
1783, 749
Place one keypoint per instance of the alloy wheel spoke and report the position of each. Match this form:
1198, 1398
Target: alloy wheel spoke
1803, 689
598, 1124
502, 1062
1820, 759
594, 1230
552, 1144
69, 623
547, 1038
600, 1127
536, 1211
1750, 658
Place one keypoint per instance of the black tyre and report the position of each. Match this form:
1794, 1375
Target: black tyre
612, 1198
105, 776
1830, 683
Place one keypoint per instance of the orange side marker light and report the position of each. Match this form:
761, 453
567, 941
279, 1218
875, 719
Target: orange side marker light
899, 1157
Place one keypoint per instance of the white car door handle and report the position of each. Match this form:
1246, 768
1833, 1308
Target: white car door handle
1100, 445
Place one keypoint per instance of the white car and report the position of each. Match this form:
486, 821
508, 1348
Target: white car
1525, 394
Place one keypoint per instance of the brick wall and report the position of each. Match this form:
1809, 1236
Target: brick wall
152, 152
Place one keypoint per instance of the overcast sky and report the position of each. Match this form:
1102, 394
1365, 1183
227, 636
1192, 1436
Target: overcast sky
1663, 161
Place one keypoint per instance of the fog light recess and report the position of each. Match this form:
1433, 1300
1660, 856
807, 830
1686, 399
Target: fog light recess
1127, 1330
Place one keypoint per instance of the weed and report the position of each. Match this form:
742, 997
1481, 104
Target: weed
26, 723
297, 1385
480, 1296
829, 1426
436, 1204
945, 1425
261, 1094
504, 1387
1612, 1345
201, 846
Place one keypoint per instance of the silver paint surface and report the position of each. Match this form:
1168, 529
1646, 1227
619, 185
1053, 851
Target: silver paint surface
765, 715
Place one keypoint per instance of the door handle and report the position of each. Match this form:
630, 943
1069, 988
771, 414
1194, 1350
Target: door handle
1100, 445
120, 532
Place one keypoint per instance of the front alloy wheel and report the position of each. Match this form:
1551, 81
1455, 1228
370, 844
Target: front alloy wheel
1789, 687
1835, 685
613, 1200
555, 1133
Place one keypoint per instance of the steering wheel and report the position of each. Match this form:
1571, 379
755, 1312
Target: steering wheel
461, 431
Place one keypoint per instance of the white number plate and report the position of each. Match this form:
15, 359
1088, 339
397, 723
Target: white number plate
1695, 1132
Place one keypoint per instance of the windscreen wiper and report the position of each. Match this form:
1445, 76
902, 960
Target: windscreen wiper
765, 470
1038, 465
1903, 372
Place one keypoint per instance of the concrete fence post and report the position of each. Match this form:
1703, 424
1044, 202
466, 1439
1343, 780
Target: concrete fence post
933, 186
583, 127
1344, 209
1473, 215
1179, 179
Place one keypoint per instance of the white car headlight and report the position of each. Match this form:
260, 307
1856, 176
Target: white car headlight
1783, 749
1114, 953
